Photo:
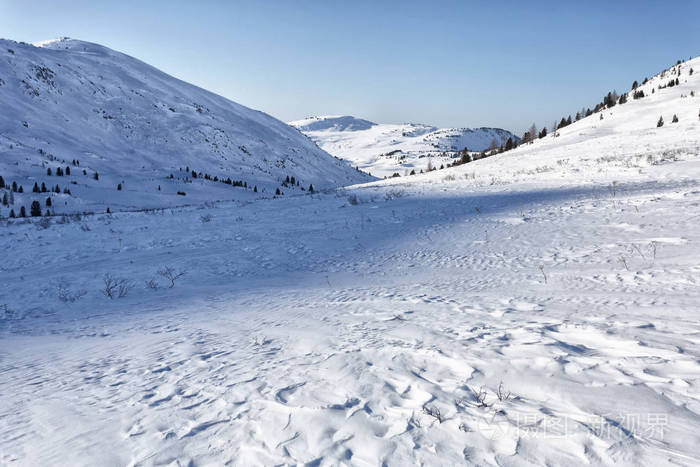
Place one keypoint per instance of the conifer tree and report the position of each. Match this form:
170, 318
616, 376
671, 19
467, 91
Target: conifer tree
660, 123
532, 132
35, 189
35, 210
311, 188
2, 182
48, 171
48, 202
22, 212
12, 213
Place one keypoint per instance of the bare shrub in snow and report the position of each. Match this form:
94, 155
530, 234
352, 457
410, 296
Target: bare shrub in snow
259, 340
66, 295
152, 284
115, 287
352, 199
544, 275
171, 274
434, 412
623, 261
501, 393
5, 312
393, 194
480, 397
205, 218
44, 223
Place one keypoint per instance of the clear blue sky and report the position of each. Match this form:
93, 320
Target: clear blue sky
450, 63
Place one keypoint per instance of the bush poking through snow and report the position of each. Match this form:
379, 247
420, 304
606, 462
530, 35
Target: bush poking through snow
352, 199
153, 284
5, 312
623, 261
115, 287
434, 412
205, 218
171, 274
44, 223
501, 393
259, 340
66, 295
393, 194
480, 397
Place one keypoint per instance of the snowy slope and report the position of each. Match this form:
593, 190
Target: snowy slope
133, 124
380, 323
383, 149
616, 142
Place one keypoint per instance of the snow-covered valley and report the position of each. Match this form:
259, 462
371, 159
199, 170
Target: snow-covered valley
539, 307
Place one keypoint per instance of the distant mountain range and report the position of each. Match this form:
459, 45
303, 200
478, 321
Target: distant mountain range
383, 149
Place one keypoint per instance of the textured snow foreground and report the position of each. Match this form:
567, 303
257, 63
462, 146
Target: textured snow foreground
376, 324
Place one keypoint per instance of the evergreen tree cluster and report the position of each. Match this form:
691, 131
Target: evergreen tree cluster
8, 197
227, 181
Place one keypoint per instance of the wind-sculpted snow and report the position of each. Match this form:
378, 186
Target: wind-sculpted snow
538, 307
385, 149
134, 125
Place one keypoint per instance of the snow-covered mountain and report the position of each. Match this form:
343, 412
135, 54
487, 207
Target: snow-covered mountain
67, 100
385, 149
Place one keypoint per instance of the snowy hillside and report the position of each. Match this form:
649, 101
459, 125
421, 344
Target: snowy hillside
68, 103
537, 307
385, 149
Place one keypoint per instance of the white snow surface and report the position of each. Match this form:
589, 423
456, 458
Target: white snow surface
374, 324
65, 100
383, 149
